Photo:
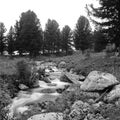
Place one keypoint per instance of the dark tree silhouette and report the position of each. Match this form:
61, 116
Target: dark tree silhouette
52, 36
18, 42
82, 34
2, 37
29, 33
66, 38
100, 41
109, 13
11, 41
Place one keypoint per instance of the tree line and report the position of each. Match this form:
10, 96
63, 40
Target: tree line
27, 36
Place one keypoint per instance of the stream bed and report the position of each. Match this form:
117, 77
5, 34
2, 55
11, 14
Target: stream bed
45, 91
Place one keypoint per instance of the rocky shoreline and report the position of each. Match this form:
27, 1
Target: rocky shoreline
99, 88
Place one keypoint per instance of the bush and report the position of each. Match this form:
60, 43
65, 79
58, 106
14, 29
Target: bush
5, 99
41, 73
25, 74
10, 81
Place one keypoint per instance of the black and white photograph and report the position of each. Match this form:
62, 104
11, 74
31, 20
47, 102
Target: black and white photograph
59, 60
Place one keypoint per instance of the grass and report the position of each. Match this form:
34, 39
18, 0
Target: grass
80, 64
8, 66
97, 61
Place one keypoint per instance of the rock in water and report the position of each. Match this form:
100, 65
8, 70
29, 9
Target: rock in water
97, 80
62, 64
23, 87
70, 78
114, 94
47, 116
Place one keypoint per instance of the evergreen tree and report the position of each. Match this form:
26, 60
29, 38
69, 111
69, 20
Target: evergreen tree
58, 41
18, 42
82, 34
52, 36
11, 41
109, 13
2, 37
29, 33
100, 41
66, 38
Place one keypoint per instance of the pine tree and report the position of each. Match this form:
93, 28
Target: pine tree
100, 41
29, 33
18, 42
11, 41
52, 36
2, 37
109, 13
58, 42
82, 34
66, 38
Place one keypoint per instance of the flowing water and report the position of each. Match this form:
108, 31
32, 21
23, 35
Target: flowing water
45, 91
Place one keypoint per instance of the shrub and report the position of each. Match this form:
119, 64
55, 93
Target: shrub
41, 73
10, 81
5, 99
25, 74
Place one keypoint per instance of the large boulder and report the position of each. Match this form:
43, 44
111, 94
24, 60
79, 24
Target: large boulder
114, 94
97, 81
47, 116
70, 78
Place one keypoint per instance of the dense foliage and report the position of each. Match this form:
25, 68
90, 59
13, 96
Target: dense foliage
11, 41
82, 34
100, 41
28, 34
66, 39
5, 99
2, 37
27, 37
108, 12
26, 74
52, 38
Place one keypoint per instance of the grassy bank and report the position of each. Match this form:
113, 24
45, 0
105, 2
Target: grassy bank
97, 61
80, 63
8, 65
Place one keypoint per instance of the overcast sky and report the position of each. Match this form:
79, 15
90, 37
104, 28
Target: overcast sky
65, 12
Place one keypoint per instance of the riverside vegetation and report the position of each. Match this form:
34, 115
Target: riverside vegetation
72, 100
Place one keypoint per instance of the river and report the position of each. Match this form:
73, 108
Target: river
45, 91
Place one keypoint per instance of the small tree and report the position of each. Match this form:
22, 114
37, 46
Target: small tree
27, 74
66, 38
2, 37
18, 42
11, 41
52, 36
100, 41
82, 34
